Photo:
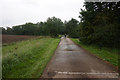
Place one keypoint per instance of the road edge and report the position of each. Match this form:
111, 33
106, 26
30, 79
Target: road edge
45, 70
116, 68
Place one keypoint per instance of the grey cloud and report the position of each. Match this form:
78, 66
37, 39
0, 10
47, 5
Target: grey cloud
15, 12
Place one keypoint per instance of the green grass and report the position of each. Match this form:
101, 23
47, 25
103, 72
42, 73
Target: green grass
108, 54
27, 59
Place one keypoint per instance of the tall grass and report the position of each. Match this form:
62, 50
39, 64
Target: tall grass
27, 59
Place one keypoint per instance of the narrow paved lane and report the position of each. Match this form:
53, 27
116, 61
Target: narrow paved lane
71, 61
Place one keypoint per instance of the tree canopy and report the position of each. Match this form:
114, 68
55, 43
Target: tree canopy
72, 28
100, 23
51, 27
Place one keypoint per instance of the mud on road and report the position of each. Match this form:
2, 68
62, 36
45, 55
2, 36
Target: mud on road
71, 61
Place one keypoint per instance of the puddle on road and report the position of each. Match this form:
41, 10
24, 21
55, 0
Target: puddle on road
68, 50
68, 47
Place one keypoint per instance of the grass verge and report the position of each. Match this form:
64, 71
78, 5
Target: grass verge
107, 54
27, 59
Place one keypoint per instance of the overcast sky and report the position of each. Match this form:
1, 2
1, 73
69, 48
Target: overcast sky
16, 12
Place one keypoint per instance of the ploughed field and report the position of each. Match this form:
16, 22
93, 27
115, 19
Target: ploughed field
15, 38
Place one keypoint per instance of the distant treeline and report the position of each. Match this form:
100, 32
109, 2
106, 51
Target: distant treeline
52, 27
99, 25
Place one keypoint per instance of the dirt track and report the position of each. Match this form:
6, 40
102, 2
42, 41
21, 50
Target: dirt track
71, 61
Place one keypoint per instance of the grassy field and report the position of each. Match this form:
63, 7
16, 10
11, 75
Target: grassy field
27, 59
110, 55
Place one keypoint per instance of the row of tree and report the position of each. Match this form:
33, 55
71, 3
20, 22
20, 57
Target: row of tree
100, 24
52, 27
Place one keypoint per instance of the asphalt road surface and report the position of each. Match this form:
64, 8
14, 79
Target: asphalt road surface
71, 61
